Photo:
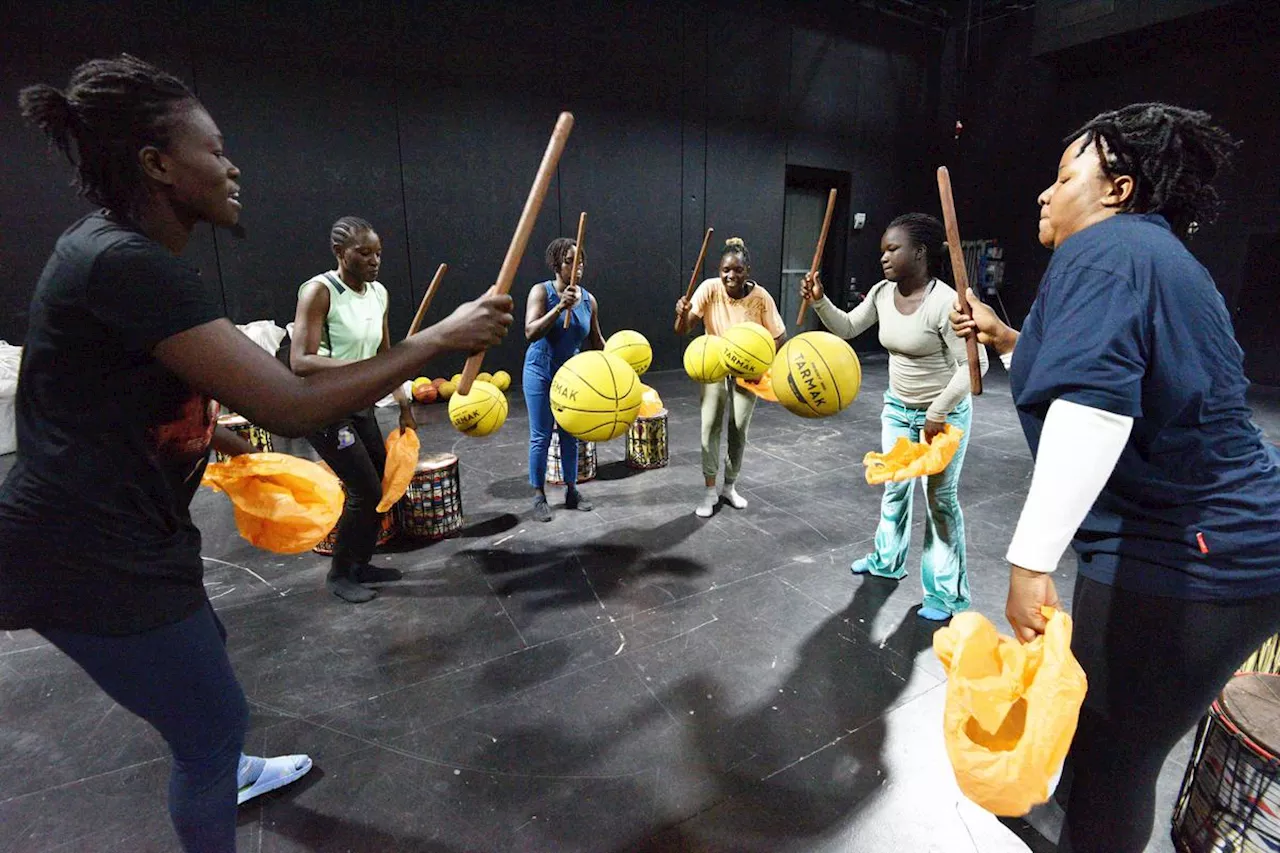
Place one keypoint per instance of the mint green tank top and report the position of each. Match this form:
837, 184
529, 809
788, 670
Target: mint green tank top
353, 328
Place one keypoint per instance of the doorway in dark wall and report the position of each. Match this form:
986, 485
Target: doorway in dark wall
804, 206
1257, 310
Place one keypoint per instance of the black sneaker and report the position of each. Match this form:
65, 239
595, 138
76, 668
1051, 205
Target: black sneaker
573, 499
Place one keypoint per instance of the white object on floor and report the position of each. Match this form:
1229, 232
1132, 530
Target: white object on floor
10, 358
264, 333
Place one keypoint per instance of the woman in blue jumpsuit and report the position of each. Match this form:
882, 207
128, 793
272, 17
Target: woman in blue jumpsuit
551, 345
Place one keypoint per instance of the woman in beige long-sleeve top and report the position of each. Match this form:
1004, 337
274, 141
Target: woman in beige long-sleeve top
928, 388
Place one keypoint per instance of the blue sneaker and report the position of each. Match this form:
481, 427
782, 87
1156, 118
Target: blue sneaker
933, 614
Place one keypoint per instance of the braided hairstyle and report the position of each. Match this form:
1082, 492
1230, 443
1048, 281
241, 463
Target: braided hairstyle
926, 232
1171, 153
111, 109
737, 246
345, 231
558, 253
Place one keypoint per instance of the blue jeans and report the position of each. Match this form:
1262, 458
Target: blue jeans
537, 399
179, 680
942, 567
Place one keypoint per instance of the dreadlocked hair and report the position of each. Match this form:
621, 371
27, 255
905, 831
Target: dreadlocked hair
558, 253
1171, 153
346, 230
926, 232
737, 246
111, 109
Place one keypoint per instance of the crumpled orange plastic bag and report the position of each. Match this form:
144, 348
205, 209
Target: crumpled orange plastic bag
909, 459
402, 461
1011, 709
282, 503
762, 387
650, 402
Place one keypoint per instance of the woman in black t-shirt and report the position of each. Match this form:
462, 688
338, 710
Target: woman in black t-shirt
126, 349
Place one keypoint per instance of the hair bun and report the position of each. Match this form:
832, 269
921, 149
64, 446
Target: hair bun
734, 243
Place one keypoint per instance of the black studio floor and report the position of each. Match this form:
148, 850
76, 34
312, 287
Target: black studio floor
633, 678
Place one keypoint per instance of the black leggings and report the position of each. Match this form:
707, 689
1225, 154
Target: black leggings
353, 448
1155, 665
179, 680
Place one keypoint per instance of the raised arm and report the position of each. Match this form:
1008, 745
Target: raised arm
844, 324
215, 358
989, 328
537, 319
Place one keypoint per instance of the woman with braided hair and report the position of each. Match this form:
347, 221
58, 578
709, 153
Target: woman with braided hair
126, 350
342, 317
1131, 391
928, 389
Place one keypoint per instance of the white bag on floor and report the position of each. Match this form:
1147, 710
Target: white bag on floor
10, 358
264, 333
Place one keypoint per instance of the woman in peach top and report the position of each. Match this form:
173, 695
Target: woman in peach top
721, 303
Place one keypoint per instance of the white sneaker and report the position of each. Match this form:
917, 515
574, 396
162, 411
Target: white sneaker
734, 499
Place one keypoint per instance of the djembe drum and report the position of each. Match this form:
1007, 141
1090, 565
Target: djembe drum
387, 527
647, 442
1229, 801
586, 461
432, 506
255, 435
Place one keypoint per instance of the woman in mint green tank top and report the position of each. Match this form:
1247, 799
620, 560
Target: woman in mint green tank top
341, 318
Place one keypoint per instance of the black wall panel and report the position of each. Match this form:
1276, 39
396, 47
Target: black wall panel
748, 76
430, 121
1018, 109
309, 117
39, 202
625, 81
478, 100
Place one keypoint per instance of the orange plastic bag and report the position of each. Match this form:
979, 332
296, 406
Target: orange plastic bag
402, 461
910, 459
650, 402
762, 387
1011, 709
282, 503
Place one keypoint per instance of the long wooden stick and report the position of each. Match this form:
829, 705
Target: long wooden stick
817, 253
960, 273
697, 270
519, 240
426, 301
577, 260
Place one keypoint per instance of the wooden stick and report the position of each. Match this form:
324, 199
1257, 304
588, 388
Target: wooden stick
960, 273
519, 240
817, 253
577, 260
697, 270
426, 301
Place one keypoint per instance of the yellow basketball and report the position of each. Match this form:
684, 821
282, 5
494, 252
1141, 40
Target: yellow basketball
816, 374
479, 413
447, 389
595, 396
748, 350
704, 359
502, 380
633, 348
